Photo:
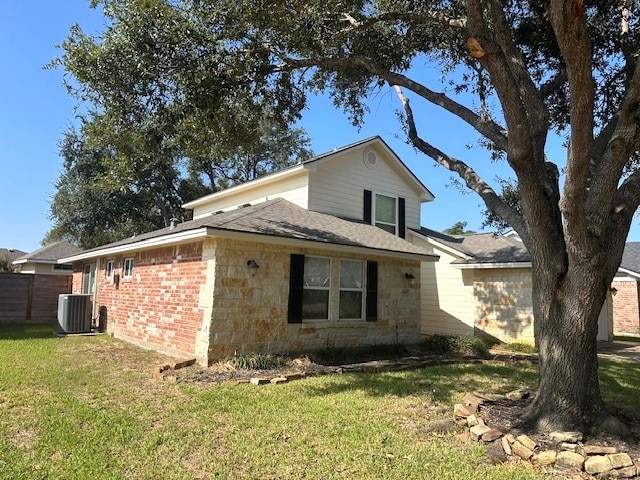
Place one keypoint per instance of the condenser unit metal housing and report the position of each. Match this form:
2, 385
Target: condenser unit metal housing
74, 313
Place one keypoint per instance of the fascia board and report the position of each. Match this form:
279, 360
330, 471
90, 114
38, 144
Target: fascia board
441, 246
464, 266
629, 272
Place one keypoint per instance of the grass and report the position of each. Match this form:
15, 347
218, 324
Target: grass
90, 407
626, 338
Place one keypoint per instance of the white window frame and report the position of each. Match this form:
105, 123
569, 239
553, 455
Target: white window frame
321, 288
362, 289
374, 215
127, 272
109, 269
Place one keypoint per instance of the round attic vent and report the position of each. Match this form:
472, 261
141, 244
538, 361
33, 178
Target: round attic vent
370, 158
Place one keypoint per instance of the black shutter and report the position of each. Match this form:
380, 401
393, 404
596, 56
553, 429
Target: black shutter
296, 280
367, 206
372, 291
402, 224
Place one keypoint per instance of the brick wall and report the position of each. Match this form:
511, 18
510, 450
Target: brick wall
626, 314
159, 305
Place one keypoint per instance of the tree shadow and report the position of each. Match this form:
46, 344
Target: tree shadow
442, 383
28, 331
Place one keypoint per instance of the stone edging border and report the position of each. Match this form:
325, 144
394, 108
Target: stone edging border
569, 451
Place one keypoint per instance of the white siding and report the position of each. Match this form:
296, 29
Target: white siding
294, 189
337, 186
447, 301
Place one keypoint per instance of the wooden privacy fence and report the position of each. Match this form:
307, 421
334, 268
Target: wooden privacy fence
31, 298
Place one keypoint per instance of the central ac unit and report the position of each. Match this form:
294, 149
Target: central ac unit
74, 313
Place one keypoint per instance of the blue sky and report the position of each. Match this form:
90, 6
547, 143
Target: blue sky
35, 110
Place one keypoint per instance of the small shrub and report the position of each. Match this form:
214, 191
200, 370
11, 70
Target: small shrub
453, 344
438, 344
257, 361
519, 347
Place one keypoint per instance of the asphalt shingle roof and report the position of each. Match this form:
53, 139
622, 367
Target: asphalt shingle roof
11, 253
50, 253
280, 218
482, 247
631, 257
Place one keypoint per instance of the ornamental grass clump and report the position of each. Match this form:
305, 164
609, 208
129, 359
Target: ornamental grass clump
257, 361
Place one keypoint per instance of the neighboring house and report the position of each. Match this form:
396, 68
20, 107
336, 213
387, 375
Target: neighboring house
482, 285
45, 260
625, 294
313, 256
7, 256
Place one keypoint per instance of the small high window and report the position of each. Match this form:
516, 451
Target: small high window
109, 269
127, 272
385, 214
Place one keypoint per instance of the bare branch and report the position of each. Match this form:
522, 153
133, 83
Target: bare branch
553, 85
419, 17
491, 130
472, 180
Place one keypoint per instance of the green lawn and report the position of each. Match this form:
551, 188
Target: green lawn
90, 407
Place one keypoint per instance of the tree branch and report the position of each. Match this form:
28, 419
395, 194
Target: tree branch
568, 19
472, 180
439, 18
491, 130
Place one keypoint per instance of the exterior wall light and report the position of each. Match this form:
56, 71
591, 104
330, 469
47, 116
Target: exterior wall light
253, 267
411, 277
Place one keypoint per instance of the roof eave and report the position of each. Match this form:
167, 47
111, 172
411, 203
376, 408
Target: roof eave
446, 248
480, 265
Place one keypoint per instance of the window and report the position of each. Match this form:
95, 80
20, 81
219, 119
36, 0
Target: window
310, 290
351, 290
385, 213
109, 268
127, 272
62, 266
316, 288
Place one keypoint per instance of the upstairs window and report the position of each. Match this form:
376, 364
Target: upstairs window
386, 213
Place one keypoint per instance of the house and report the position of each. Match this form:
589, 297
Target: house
45, 260
7, 256
481, 284
310, 257
625, 294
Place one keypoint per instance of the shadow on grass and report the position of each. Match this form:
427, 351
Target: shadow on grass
15, 331
442, 383
619, 383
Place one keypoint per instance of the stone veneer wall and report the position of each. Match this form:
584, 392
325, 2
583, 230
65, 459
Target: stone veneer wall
626, 312
159, 306
249, 313
503, 304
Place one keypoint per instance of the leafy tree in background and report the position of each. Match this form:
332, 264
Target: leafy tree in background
458, 228
529, 68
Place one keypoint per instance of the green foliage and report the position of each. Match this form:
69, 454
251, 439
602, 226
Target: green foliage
519, 347
458, 228
454, 344
257, 361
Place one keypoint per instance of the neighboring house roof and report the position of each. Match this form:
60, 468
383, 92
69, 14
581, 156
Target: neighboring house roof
274, 221
310, 164
49, 253
11, 253
631, 258
481, 249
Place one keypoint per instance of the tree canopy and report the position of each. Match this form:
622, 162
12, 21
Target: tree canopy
531, 68
458, 228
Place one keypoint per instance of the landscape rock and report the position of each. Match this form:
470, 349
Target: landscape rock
597, 464
495, 453
570, 460
460, 410
477, 431
620, 460
571, 437
521, 451
597, 450
510, 438
627, 472
472, 403
519, 394
492, 435
277, 380
489, 397
547, 457
569, 447
526, 441
472, 421
506, 446
259, 381
294, 376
